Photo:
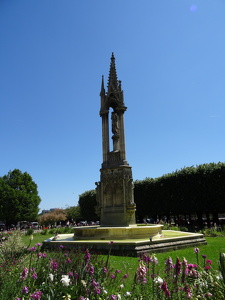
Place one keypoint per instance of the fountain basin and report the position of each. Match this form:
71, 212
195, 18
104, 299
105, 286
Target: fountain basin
117, 233
167, 241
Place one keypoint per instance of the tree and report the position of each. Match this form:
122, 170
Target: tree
73, 213
87, 203
19, 199
53, 217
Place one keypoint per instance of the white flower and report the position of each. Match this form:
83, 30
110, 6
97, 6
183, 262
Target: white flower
104, 291
128, 294
65, 280
67, 297
219, 277
51, 277
118, 297
158, 280
121, 286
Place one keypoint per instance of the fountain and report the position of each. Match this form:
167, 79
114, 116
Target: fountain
114, 192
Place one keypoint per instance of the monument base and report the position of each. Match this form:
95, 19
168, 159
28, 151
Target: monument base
168, 240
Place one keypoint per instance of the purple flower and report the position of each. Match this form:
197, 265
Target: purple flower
25, 290
169, 264
113, 276
188, 291
36, 295
68, 260
111, 242
97, 291
40, 255
196, 250
34, 275
117, 271
70, 274
94, 283
165, 289
204, 256
178, 267
105, 270
125, 276
87, 256
38, 244
61, 247
32, 249
112, 297
90, 269
54, 265
24, 274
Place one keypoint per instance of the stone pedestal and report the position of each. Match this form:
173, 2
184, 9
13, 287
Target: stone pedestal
116, 205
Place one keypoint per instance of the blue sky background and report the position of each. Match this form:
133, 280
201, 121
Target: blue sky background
170, 56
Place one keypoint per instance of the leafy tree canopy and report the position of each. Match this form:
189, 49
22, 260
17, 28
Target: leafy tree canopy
19, 199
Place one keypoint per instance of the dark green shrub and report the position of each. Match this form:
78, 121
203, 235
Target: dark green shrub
29, 231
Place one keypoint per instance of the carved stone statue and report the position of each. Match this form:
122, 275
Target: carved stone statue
115, 123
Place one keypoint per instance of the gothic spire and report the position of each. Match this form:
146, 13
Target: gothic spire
112, 82
102, 93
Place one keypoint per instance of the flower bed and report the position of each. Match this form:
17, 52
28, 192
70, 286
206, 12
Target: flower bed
82, 275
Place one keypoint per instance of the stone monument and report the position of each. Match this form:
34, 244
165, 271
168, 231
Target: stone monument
114, 191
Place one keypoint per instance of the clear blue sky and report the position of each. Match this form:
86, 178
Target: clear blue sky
170, 56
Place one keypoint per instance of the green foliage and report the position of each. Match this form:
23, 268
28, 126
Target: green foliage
87, 203
73, 213
19, 197
183, 192
44, 231
29, 231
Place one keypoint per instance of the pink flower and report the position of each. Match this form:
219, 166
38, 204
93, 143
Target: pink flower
36, 295
141, 273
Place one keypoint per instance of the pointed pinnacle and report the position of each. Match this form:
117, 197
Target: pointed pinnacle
112, 82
